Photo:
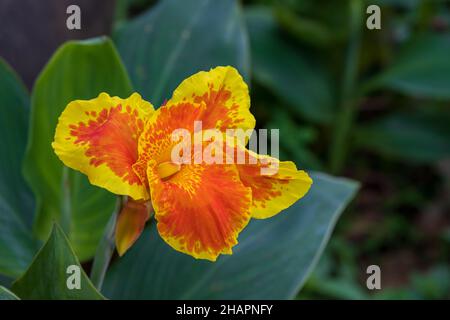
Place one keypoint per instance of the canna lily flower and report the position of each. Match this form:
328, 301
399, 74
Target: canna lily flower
125, 146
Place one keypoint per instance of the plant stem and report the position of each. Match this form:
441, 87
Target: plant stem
347, 101
105, 249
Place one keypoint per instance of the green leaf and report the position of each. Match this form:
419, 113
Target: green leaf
414, 136
288, 72
78, 70
272, 260
48, 275
176, 39
422, 68
306, 29
343, 289
5, 281
17, 246
5, 294
296, 140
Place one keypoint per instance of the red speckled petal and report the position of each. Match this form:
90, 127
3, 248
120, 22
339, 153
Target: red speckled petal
276, 185
99, 137
201, 208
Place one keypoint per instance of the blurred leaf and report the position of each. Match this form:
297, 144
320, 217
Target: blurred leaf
78, 70
415, 136
5, 294
272, 260
434, 284
422, 68
282, 68
336, 275
47, 276
323, 11
305, 29
5, 281
175, 39
295, 141
331, 288
17, 246
304, 21
333, 279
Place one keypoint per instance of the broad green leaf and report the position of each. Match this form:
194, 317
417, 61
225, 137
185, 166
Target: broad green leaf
422, 68
272, 260
414, 136
78, 70
5, 281
175, 39
17, 246
5, 294
286, 71
48, 275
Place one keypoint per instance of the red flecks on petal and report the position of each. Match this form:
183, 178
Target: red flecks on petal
210, 108
220, 113
111, 139
156, 141
202, 218
263, 187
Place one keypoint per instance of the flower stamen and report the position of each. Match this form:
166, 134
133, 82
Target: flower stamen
167, 169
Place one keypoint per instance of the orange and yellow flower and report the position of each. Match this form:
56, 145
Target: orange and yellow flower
125, 146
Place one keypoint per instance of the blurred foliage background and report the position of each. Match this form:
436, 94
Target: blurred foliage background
371, 105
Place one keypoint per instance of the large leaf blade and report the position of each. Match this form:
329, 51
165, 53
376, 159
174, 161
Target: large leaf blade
422, 68
78, 70
272, 260
295, 78
5, 294
17, 245
175, 39
47, 276
417, 137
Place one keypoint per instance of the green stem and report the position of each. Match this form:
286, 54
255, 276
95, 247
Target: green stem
347, 101
105, 249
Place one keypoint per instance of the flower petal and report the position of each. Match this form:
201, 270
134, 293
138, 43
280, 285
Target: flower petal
276, 188
99, 137
222, 95
200, 209
130, 224
217, 99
